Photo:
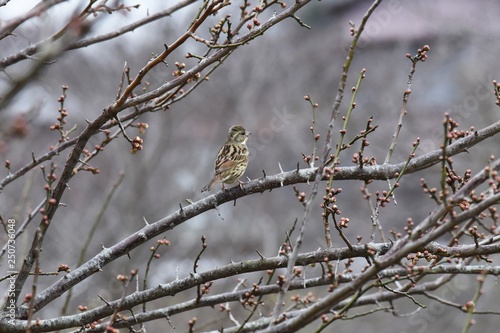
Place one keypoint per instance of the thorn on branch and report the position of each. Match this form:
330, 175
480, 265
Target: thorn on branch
299, 21
102, 299
218, 212
167, 317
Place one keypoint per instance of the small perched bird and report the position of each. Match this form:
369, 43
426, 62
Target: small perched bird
232, 159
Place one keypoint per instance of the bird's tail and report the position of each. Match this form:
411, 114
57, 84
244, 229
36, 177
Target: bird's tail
210, 184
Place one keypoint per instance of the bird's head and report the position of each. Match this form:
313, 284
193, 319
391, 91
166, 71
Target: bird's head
238, 134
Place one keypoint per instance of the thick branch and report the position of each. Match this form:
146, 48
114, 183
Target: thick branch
173, 288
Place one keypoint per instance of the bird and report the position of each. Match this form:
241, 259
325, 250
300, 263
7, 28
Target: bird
232, 159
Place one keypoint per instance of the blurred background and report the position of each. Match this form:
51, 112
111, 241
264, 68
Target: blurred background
262, 87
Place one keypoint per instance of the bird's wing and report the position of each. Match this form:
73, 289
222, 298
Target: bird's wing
229, 156
224, 166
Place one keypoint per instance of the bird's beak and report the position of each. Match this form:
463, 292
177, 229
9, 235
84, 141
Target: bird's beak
247, 133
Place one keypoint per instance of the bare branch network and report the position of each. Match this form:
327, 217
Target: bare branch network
332, 283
